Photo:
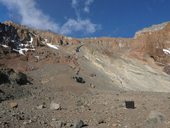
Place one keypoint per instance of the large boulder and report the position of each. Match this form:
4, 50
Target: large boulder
12, 77
3, 78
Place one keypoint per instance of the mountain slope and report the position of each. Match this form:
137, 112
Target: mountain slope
130, 64
49, 80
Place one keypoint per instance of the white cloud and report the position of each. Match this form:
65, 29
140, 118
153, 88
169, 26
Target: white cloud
87, 5
75, 6
74, 3
34, 17
30, 15
79, 24
73, 25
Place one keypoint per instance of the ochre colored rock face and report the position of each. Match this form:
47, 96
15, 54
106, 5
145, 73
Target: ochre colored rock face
155, 44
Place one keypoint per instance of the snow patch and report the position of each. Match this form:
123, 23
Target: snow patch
23, 50
5, 46
166, 51
31, 40
52, 46
21, 45
49, 44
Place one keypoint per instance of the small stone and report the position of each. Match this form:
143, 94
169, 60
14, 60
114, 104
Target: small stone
42, 122
80, 103
92, 86
13, 105
54, 119
34, 119
115, 125
101, 121
5, 124
78, 124
57, 124
27, 122
40, 107
55, 106
68, 125
79, 79
93, 75
24, 122
155, 118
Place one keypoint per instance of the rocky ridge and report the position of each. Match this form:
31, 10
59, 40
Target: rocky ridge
153, 41
32, 48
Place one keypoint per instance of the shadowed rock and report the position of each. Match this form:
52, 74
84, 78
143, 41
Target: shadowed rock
11, 77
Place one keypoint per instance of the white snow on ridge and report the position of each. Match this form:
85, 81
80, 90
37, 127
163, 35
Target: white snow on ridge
31, 40
52, 46
22, 50
5, 46
166, 51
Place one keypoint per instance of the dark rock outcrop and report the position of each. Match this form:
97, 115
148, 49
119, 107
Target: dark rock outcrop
11, 77
79, 79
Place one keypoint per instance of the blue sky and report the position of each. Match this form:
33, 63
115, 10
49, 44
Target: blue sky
87, 18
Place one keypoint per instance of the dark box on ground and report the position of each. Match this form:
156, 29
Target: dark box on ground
130, 104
